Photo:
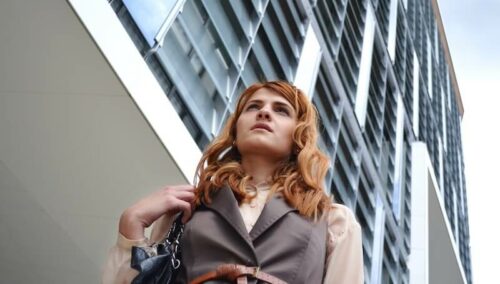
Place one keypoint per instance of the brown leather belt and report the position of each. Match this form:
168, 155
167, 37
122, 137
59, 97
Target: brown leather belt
237, 273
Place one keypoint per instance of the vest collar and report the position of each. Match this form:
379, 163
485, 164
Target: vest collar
275, 209
224, 203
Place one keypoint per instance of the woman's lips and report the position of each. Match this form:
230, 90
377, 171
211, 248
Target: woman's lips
262, 126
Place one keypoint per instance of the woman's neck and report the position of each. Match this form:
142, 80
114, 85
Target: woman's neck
259, 168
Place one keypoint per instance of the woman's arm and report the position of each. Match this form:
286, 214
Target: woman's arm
158, 207
169, 200
117, 266
344, 262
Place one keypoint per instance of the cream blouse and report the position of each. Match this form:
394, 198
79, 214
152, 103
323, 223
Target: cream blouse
344, 259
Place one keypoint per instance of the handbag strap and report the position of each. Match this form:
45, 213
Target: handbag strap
176, 230
172, 239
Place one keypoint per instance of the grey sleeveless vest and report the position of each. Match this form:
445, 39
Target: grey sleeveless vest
282, 242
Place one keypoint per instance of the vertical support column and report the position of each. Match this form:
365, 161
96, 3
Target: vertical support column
365, 66
448, 87
429, 67
455, 217
398, 168
416, 95
310, 59
443, 119
393, 18
378, 242
441, 167
419, 256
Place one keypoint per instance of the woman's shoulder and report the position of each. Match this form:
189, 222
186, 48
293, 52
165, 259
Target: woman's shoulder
340, 219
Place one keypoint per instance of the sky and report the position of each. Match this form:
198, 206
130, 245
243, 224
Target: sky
472, 29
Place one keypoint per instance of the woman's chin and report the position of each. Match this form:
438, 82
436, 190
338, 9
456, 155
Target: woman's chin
269, 151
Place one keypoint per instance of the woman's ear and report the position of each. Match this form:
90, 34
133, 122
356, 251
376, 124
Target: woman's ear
235, 144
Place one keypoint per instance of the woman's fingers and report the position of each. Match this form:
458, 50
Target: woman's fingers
186, 209
178, 205
184, 195
179, 188
182, 199
170, 199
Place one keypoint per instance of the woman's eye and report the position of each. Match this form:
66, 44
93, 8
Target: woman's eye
252, 107
283, 110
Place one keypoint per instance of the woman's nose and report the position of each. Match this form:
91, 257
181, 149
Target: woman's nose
263, 114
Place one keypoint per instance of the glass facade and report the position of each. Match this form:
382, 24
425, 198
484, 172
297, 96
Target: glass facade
212, 50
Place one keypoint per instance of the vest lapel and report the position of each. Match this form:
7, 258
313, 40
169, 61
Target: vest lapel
274, 210
225, 204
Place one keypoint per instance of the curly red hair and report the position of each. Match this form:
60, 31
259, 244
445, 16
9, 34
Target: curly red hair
299, 179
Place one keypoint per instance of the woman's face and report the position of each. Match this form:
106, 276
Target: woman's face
266, 125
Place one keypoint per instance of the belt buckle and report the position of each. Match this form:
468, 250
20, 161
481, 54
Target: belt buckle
256, 271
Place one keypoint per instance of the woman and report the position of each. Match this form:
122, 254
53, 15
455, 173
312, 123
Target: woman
259, 201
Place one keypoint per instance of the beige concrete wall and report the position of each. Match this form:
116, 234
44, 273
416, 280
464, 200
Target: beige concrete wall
75, 149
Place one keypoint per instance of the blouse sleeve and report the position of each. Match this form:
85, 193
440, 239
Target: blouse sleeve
344, 259
117, 266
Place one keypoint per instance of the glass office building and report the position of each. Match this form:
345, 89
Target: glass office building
382, 79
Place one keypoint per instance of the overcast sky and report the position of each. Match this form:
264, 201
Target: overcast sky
473, 32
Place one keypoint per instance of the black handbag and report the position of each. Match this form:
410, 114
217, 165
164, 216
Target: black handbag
159, 263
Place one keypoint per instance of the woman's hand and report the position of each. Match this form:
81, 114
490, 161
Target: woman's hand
169, 200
